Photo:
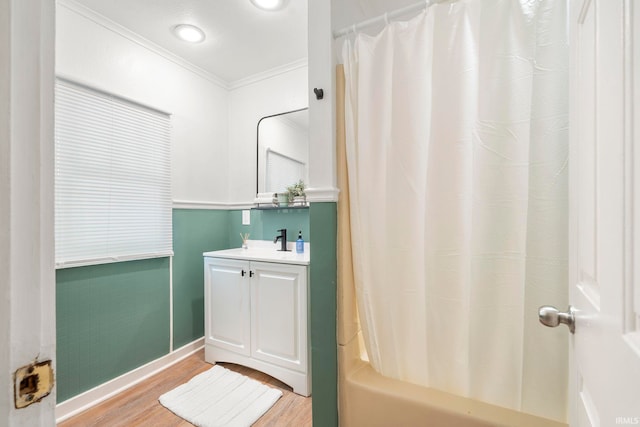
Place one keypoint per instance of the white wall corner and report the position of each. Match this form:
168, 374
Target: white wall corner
322, 152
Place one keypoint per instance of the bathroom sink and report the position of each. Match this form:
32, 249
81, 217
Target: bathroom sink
263, 250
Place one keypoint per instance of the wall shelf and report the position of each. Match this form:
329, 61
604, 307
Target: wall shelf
281, 208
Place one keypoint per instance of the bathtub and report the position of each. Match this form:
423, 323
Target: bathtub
367, 398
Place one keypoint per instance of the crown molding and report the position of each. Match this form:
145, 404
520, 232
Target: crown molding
300, 63
105, 22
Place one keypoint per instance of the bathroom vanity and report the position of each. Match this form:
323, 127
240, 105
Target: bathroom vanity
256, 311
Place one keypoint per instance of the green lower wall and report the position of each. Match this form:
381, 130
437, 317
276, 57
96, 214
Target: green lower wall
111, 318
197, 231
194, 232
323, 293
265, 223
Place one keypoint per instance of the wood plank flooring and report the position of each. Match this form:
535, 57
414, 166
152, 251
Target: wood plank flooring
139, 406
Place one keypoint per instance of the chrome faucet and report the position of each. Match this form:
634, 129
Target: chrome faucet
283, 240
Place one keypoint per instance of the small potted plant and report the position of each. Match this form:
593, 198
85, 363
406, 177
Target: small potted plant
296, 194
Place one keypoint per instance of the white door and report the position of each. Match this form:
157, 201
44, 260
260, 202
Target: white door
604, 282
228, 301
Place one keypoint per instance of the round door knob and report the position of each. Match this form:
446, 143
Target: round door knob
551, 317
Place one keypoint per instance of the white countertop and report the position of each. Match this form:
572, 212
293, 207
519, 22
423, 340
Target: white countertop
267, 251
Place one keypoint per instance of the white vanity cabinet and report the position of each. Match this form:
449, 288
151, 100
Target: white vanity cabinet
227, 305
256, 315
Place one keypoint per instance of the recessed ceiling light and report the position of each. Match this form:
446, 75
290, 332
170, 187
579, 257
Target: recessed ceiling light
269, 4
188, 33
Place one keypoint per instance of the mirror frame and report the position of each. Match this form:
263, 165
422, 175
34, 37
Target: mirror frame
258, 142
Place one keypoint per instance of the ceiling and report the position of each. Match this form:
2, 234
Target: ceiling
241, 40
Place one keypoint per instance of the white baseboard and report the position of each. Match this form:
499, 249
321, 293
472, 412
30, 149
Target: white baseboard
92, 397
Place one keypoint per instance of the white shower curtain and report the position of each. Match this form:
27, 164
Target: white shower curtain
457, 156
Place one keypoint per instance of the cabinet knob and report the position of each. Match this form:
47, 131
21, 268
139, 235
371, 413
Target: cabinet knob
243, 273
251, 273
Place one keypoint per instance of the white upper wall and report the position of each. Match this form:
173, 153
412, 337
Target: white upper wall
322, 131
247, 105
214, 129
92, 54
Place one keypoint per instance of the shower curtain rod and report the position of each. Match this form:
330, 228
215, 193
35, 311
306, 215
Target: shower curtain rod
385, 17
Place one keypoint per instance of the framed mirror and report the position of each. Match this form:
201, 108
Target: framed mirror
283, 151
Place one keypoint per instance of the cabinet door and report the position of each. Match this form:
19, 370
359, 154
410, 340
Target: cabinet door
279, 314
227, 304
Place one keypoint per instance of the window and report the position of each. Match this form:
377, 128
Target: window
112, 178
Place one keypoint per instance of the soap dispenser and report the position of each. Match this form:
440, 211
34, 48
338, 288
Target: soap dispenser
300, 243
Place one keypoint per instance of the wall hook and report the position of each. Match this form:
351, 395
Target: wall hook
319, 93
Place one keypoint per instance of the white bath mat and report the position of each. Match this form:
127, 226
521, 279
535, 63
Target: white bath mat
220, 397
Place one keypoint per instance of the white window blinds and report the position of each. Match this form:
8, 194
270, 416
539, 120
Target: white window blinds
112, 179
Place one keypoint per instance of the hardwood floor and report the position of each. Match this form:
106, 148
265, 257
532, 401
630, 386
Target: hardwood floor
139, 405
